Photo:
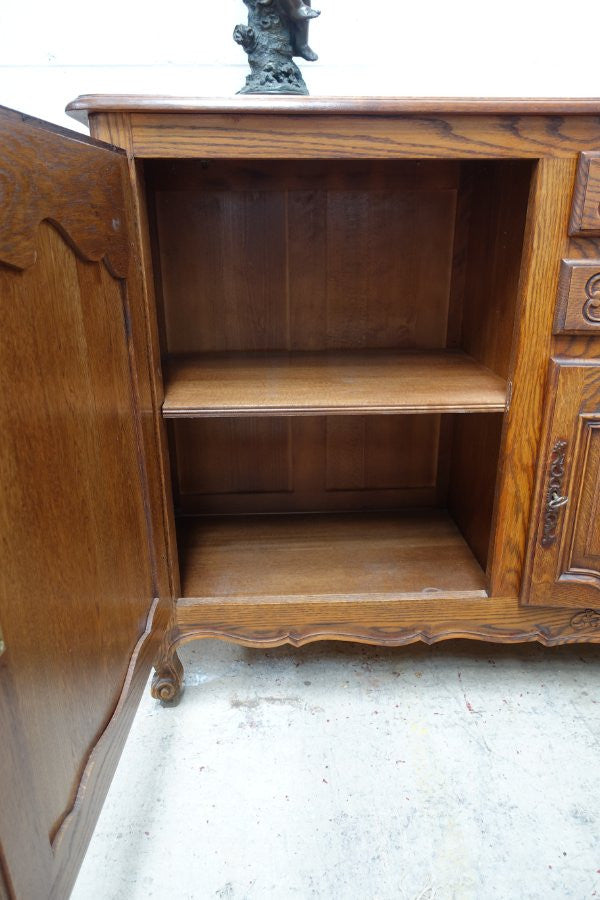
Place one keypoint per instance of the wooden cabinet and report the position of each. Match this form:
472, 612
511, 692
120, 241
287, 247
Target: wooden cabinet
282, 370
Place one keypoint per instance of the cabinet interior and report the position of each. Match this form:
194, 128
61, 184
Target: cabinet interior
336, 339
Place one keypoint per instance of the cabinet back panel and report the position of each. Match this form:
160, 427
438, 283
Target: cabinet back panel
308, 463
304, 255
338, 254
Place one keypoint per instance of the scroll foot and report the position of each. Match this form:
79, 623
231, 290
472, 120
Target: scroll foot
168, 678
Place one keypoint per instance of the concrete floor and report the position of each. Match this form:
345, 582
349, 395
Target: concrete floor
338, 771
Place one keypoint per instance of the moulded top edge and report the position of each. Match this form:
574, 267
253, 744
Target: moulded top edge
358, 106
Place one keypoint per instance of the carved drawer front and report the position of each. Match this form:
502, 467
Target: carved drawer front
563, 565
578, 302
585, 212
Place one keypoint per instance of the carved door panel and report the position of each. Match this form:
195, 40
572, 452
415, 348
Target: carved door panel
563, 567
78, 583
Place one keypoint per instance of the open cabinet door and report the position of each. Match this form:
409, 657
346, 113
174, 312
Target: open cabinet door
82, 607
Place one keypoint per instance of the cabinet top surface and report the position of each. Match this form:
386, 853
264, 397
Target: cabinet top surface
82, 106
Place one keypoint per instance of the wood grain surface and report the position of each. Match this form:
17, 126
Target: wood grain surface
563, 566
304, 463
307, 255
269, 136
87, 104
307, 383
87, 598
304, 559
116, 130
90, 215
545, 242
78, 573
504, 623
578, 299
585, 213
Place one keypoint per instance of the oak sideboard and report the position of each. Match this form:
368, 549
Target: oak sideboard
279, 370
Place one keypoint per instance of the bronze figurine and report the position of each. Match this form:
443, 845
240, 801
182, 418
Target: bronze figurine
277, 30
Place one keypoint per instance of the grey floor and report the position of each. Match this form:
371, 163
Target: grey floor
338, 771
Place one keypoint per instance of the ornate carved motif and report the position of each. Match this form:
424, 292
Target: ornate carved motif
578, 298
513, 625
554, 499
589, 618
516, 627
277, 30
591, 308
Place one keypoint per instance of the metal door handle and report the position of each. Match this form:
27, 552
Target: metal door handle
555, 501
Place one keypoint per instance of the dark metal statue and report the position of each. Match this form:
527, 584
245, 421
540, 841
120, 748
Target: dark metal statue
277, 30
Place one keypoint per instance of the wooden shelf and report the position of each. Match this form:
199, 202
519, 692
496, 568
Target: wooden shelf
376, 381
316, 557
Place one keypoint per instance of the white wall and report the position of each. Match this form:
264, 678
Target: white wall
51, 51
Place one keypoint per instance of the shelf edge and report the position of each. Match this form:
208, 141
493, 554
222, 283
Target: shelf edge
233, 412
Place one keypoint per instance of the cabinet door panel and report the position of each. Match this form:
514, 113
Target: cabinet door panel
564, 556
77, 560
